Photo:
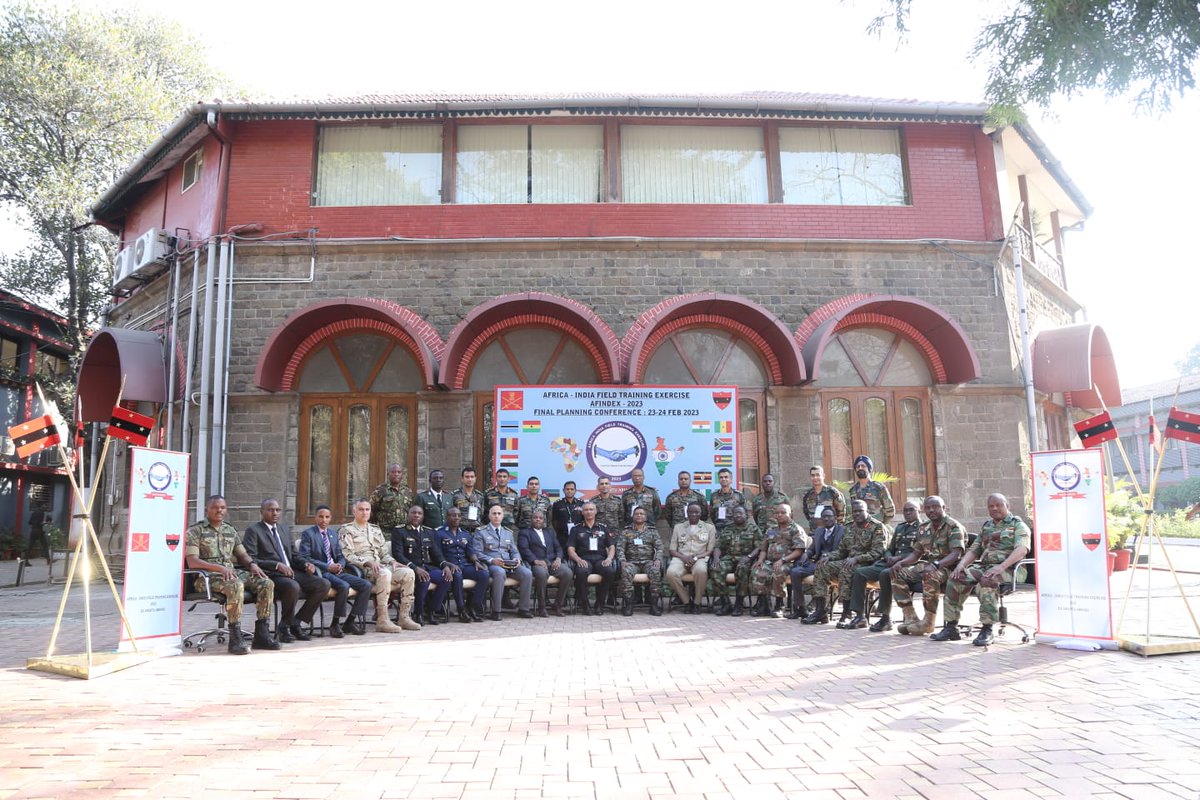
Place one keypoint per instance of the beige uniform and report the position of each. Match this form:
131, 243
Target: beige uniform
690, 540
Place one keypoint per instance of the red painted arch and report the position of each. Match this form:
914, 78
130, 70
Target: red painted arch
529, 309
942, 340
735, 314
1078, 361
281, 357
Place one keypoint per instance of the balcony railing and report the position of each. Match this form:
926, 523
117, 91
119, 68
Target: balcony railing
1042, 259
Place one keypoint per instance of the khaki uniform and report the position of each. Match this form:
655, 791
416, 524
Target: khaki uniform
363, 545
222, 546
690, 543
764, 508
640, 551
736, 542
865, 543
994, 545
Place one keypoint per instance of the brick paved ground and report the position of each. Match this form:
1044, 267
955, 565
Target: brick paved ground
608, 707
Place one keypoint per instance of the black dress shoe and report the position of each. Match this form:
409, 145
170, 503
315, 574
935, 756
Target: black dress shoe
299, 632
284, 634
523, 614
599, 610
430, 619
494, 616
857, 622
556, 611
798, 613
655, 607
880, 625
985, 637
691, 608
335, 630
464, 617
354, 627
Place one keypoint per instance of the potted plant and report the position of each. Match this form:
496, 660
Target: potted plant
1126, 515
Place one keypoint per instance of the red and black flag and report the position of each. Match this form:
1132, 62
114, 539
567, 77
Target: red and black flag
130, 426
1096, 430
1183, 426
34, 436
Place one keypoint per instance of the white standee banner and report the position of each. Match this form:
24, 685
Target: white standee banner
154, 549
1071, 545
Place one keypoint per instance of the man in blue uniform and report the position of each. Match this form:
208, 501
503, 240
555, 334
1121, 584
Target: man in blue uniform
455, 544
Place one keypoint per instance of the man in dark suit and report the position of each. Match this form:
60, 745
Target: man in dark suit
271, 547
319, 547
540, 549
825, 539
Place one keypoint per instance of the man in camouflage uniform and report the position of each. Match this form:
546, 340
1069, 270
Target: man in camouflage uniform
863, 543
608, 506
470, 502
901, 545
504, 496
390, 501
724, 500
640, 496
640, 549
873, 493
765, 502
364, 547
678, 500
737, 545
435, 502
214, 546
1005, 540
533, 500
821, 496
938, 547
774, 564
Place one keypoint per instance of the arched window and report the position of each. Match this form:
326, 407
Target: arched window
713, 356
880, 407
357, 415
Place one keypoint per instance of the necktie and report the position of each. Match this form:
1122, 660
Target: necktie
283, 559
541, 537
328, 549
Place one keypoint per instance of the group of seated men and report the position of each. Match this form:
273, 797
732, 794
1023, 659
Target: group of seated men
441, 539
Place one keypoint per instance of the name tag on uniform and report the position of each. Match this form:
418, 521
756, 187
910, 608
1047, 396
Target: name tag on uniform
570, 526
593, 543
721, 512
819, 510
638, 542
472, 513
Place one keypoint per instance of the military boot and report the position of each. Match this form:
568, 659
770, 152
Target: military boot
237, 645
984, 638
263, 640
844, 618
926, 625
799, 608
724, 609
775, 610
818, 616
737, 606
407, 623
911, 620
760, 607
383, 623
948, 633
627, 607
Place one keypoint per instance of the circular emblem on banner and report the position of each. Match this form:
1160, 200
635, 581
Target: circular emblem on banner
1065, 476
159, 476
616, 449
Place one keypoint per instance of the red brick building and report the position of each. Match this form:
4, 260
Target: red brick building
335, 285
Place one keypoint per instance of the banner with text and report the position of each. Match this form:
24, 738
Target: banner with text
579, 433
1071, 544
154, 550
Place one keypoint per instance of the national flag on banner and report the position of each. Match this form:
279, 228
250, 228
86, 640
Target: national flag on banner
140, 543
553, 494
723, 461
1050, 542
722, 426
701, 426
724, 443
531, 426
130, 426
701, 477
508, 443
1096, 430
512, 400
510, 426
509, 460
1183, 426
34, 436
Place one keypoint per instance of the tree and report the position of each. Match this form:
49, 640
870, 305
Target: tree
1190, 363
1041, 49
84, 94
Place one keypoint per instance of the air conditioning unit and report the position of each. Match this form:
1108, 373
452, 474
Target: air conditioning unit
145, 259
121, 265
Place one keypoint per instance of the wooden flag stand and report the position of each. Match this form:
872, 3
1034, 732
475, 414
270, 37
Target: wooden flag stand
88, 664
1147, 643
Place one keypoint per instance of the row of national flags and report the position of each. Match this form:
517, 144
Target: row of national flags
35, 435
520, 426
715, 426
1181, 425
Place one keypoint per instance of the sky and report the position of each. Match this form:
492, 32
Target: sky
1128, 266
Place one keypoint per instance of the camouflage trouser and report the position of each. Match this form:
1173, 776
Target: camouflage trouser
631, 568
830, 571
931, 582
957, 591
740, 567
771, 578
262, 589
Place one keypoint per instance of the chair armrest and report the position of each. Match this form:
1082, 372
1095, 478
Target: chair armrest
198, 573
